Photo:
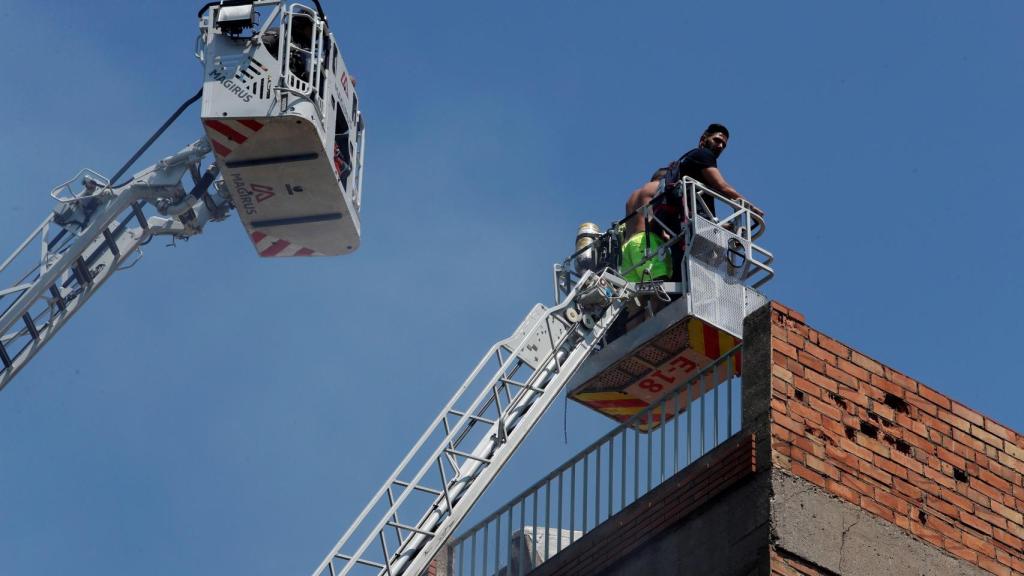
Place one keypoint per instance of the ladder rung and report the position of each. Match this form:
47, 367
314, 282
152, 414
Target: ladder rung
81, 272
347, 558
30, 325
57, 298
401, 526
109, 238
477, 418
140, 216
4, 357
466, 455
418, 487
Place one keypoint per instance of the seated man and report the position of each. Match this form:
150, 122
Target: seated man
639, 242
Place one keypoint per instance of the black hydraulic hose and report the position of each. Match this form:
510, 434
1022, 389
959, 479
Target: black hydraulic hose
153, 138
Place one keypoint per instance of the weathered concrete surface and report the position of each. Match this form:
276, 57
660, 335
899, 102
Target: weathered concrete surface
846, 540
727, 538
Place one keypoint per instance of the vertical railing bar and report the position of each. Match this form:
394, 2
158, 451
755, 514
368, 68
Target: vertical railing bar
636, 463
522, 537
572, 504
714, 382
662, 426
689, 423
586, 479
561, 504
597, 487
728, 399
472, 555
611, 475
622, 484
703, 409
650, 448
536, 524
675, 434
547, 518
508, 548
483, 559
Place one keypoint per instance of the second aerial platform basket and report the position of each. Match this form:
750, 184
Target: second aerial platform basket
282, 117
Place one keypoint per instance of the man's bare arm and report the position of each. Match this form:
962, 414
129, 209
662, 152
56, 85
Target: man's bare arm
713, 177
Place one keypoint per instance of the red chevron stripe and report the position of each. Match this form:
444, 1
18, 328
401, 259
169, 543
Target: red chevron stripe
251, 124
258, 237
220, 149
275, 248
304, 252
226, 130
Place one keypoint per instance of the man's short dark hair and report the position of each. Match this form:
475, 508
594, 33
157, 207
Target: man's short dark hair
715, 127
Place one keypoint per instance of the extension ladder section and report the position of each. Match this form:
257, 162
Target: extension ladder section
475, 434
89, 236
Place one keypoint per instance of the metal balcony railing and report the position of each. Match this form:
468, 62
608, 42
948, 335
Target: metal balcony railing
604, 478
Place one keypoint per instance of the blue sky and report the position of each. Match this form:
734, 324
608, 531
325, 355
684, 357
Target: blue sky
212, 412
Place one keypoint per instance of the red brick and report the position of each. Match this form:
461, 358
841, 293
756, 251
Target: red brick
1009, 539
886, 386
950, 458
804, 412
933, 397
788, 423
781, 373
809, 475
907, 462
796, 339
925, 533
855, 449
874, 472
901, 380
986, 436
908, 489
942, 527
967, 414
895, 503
853, 370
922, 404
834, 346
999, 430
785, 348
843, 491
981, 546
968, 440
976, 523
1014, 516
958, 549
823, 381
820, 353
841, 376
876, 508
942, 507
939, 477
787, 311
891, 467
827, 409
954, 420
958, 500
816, 364
977, 497
916, 426
866, 363
986, 515
994, 567
842, 458
823, 467
996, 482
987, 491
805, 386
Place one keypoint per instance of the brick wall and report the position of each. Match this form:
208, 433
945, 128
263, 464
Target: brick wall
784, 565
894, 447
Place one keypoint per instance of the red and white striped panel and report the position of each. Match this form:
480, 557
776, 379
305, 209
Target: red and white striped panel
229, 133
268, 246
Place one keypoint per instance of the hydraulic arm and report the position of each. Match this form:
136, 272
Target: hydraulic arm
93, 232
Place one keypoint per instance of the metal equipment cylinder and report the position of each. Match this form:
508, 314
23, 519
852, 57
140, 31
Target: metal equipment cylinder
586, 254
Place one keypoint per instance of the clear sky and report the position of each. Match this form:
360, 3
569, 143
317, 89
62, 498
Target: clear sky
211, 412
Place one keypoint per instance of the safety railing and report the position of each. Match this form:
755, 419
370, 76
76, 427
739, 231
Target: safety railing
604, 478
734, 220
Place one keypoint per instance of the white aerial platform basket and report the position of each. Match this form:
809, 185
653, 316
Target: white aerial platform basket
282, 117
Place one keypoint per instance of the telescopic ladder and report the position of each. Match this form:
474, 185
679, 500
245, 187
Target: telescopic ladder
93, 233
476, 433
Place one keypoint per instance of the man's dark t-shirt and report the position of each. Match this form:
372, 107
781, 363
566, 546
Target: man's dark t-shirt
692, 164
